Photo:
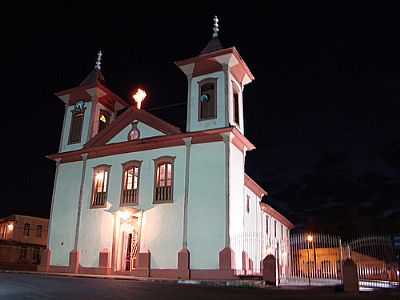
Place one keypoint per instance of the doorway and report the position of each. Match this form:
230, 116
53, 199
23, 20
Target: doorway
129, 245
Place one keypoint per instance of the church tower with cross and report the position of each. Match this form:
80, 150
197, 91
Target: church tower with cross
89, 108
136, 195
216, 80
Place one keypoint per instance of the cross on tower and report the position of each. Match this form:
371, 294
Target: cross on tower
98, 62
215, 27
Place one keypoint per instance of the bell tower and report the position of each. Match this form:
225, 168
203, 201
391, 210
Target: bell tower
89, 108
216, 79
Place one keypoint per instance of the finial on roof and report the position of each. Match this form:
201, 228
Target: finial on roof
98, 62
215, 27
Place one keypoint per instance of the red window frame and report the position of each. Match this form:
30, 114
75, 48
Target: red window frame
130, 183
164, 179
101, 180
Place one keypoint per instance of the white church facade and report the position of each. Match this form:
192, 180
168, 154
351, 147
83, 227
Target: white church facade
136, 195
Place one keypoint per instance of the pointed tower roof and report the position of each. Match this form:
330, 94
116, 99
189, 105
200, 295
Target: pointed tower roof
95, 76
214, 44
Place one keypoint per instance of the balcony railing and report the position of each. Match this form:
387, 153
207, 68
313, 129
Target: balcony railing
130, 197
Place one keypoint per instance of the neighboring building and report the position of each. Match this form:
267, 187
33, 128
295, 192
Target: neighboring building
22, 239
134, 194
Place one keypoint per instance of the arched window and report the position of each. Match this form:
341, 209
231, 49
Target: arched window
208, 99
104, 119
100, 185
27, 229
130, 183
75, 132
164, 179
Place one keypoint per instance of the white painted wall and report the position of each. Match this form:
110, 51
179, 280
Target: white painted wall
65, 206
162, 228
145, 132
255, 228
206, 205
220, 121
236, 190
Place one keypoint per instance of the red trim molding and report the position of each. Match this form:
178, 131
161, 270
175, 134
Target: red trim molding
276, 215
202, 59
254, 187
199, 137
125, 119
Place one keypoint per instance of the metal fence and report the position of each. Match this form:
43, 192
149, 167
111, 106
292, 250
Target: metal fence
317, 258
377, 264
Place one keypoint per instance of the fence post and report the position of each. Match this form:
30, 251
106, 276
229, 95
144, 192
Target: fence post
350, 276
269, 270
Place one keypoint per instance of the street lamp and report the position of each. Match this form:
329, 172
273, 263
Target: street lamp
309, 240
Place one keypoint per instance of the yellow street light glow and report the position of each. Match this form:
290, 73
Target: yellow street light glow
139, 97
310, 238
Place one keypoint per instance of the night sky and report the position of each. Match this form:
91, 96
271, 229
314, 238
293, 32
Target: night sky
323, 111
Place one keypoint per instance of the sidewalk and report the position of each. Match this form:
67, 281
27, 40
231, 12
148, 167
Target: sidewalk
231, 283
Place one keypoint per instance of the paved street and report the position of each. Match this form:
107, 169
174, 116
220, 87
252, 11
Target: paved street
24, 286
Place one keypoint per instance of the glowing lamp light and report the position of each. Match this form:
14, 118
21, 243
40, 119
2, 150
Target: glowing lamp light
139, 97
10, 227
99, 176
124, 215
310, 238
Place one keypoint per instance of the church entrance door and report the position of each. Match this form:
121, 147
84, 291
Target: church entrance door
129, 244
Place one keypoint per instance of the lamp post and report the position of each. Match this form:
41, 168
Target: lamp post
309, 240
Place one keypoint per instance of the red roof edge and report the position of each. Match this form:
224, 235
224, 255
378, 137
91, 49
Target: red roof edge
275, 214
232, 50
123, 120
254, 187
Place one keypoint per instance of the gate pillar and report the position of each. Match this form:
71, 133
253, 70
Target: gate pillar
350, 276
269, 270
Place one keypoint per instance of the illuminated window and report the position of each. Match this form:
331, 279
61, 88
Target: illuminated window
207, 99
164, 179
130, 183
100, 186
104, 120
27, 229
39, 231
75, 132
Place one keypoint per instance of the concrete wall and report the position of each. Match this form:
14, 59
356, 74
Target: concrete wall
145, 132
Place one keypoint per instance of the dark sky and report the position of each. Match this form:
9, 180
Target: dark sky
323, 110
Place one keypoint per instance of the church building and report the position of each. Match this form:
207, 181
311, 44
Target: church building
134, 194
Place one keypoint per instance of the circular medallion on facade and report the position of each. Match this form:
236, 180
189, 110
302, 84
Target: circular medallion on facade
134, 133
